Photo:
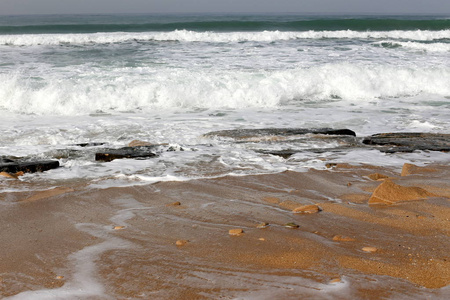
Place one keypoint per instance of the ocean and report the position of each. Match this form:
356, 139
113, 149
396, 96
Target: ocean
66, 80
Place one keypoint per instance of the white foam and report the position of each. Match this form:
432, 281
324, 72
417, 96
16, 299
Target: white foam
216, 37
429, 47
219, 89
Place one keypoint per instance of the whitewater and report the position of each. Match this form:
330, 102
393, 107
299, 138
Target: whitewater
66, 80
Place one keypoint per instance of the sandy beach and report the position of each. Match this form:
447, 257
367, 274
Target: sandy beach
234, 237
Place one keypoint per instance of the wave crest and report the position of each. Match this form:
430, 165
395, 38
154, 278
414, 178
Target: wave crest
215, 37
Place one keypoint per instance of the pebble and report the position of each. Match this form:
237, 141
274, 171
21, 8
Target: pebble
237, 231
262, 239
369, 249
181, 242
174, 204
59, 277
262, 225
118, 227
291, 225
307, 209
335, 280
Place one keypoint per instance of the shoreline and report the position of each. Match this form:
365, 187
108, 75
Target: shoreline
171, 239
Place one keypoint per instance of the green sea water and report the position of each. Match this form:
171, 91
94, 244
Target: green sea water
220, 23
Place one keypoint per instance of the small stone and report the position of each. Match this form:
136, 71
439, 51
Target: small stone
343, 238
181, 242
174, 204
237, 231
291, 225
307, 209
349, 184
369, 249
262, 225
262, 239
59, 277
118, 227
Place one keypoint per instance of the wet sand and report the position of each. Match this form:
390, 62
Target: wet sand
175, 240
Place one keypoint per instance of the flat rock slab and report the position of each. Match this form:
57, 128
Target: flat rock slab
29, 166
252, 133
126, 152
409, 141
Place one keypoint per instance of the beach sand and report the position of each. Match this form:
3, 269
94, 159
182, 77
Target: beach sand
226, 238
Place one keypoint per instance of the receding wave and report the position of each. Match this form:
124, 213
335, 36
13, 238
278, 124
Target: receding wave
216, 37
171, 88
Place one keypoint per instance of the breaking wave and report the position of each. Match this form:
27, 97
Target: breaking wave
215, 37
169, 88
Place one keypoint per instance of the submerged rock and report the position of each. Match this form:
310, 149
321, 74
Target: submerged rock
409, 141
126, 152
29, 166
93, 144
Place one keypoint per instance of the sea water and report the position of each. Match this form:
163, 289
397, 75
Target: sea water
170, 79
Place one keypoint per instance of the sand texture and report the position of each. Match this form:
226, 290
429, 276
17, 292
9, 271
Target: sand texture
358, 237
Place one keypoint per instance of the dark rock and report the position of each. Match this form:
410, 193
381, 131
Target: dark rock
5, 160
29, 166
249, 133
89, 144
409, 141
283, 153
126, 152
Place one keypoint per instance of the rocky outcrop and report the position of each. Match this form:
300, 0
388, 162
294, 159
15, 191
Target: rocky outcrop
409, 141
126, 152
282, 132
390, 193
14, 167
